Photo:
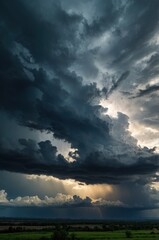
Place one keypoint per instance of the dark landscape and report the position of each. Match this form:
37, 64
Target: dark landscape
77, 229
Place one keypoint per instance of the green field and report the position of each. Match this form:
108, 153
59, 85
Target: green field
136, 235
118, 235
24, 235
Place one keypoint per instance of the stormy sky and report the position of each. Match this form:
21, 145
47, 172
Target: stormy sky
79, 109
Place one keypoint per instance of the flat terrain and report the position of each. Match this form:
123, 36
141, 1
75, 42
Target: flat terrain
21, 229
136, 235
109, 235
24, 235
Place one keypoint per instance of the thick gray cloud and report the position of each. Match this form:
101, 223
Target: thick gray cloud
57, 64
60, 104
148, 90
108, 167
118, 82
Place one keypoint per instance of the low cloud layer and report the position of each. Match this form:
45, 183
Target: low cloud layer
60, 200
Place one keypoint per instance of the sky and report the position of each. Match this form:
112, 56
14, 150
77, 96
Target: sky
79, 121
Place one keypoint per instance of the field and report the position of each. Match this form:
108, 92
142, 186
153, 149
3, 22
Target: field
83, 235
118, 235
24, 235
21, 229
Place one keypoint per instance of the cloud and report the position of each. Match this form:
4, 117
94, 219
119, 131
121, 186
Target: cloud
60, 200
109, 166
118, 82
74, 201
3, 197
108, 14
148, 90
71, 111
149, 70
52, 68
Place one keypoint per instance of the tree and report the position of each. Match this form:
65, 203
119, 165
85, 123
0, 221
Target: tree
60, 234
128, 234
72, 236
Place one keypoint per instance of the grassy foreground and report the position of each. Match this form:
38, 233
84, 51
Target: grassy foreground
24, 235
118, 235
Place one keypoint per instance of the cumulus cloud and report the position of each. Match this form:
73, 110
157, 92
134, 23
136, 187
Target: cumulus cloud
3, 196
60, 200
69, 201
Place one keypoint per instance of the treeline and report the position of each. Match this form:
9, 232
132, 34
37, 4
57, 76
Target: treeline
107, 226
14, 229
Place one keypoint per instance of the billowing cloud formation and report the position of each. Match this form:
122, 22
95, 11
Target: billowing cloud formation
57, 65
111, 166
68, 201
60, 200
3, 196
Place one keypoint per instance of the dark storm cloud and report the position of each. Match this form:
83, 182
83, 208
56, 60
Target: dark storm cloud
137, 31
43, 160
149, 116
102, 213
153, 63
150, 71
58, 112
57, 100
43, 38
118, 82
148, 90
105, 18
